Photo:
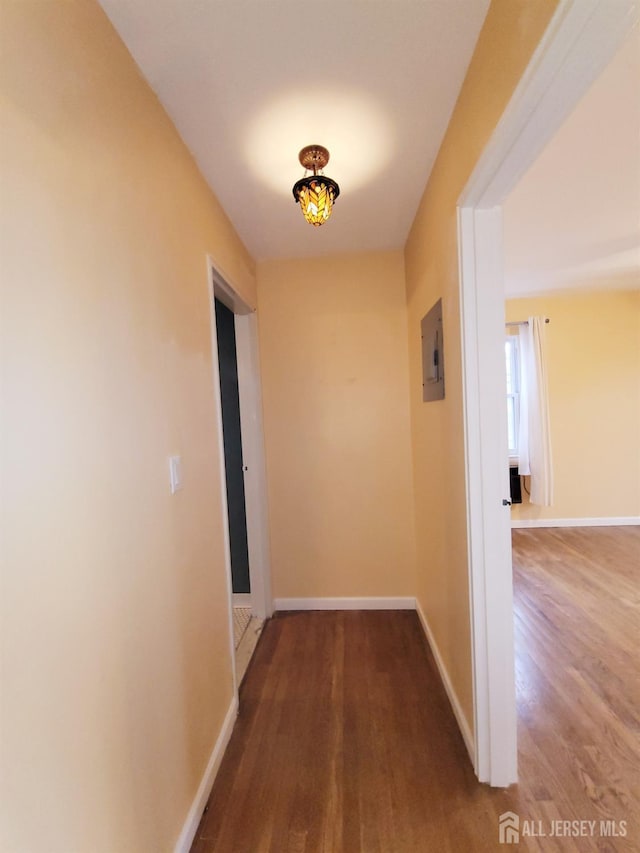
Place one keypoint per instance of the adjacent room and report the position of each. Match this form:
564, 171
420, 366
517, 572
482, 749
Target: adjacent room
572, 260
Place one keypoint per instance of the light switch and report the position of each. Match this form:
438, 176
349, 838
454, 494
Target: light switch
175, 473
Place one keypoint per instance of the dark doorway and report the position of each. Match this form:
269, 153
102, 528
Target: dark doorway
232, 436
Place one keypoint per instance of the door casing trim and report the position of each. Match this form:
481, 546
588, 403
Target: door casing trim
582, 38
250, 392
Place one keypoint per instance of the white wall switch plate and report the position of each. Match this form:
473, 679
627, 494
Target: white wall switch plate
175, 474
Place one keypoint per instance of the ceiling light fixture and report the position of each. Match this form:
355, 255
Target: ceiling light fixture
316, 193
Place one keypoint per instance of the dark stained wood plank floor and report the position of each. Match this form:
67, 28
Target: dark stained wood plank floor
346, 743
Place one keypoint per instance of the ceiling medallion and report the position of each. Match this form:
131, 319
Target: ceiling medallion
316, 193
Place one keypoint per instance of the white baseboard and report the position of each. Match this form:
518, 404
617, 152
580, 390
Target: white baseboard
371, 603
622, 521
467, 736
185, 839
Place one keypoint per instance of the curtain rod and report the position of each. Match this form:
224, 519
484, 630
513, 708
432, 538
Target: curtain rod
524, 322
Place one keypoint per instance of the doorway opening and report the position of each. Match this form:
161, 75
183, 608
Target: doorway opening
246, 626
233, 461
239, 406
580, 40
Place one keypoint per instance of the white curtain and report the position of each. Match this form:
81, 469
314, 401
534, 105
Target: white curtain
534, 437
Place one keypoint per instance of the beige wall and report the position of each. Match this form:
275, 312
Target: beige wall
593, 358
333, 345
511, 32
115, 653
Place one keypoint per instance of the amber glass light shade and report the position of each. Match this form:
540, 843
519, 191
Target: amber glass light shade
316, 195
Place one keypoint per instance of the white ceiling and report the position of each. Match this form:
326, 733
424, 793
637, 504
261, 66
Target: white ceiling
573, 221
248, 83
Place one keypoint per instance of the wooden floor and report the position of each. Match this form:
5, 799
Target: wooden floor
346, 743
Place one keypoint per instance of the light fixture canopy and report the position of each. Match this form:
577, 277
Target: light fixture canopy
315, 193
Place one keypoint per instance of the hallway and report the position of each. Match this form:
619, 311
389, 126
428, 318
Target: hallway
329, 752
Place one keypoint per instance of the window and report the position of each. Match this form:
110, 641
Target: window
511, 352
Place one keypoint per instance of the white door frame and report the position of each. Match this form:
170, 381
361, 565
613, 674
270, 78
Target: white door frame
221, 286
581, 39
